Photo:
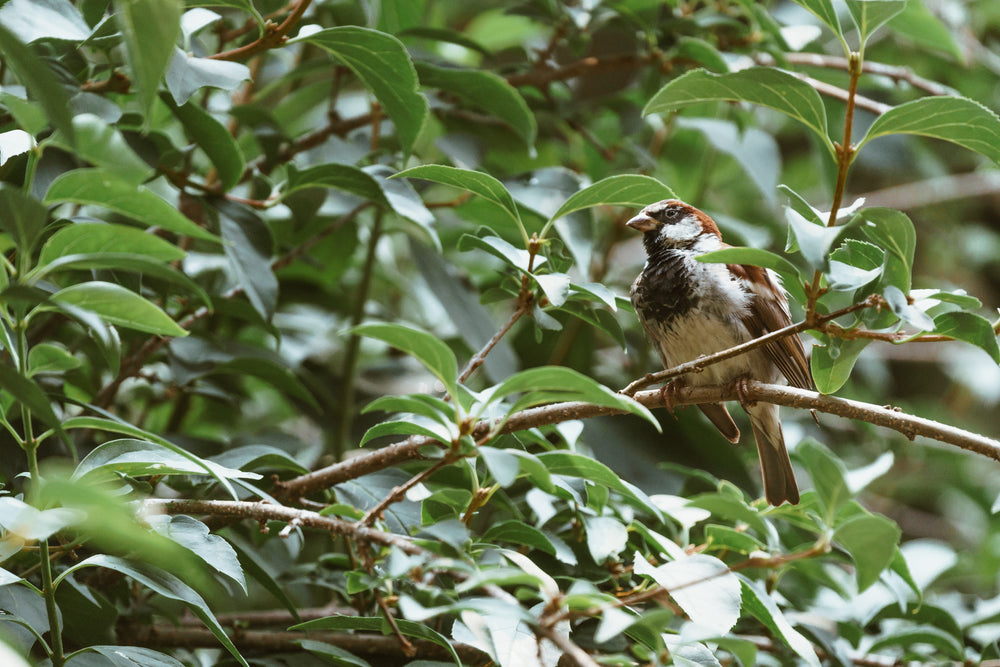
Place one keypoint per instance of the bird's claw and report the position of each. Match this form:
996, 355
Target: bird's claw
742, 388
668, 394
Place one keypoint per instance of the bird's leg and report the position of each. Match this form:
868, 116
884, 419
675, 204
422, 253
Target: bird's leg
668, 394
742, 391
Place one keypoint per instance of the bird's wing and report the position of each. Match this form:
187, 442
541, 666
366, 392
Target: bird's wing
768, 314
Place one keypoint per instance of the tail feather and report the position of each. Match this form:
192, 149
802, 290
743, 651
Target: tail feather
779, 479
719, 415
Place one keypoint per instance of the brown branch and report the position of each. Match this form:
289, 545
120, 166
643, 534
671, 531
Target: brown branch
479, 357
893, 72
543, 76
370, 646
398, 492
273, 36
579, 657
269, 512
935, 190
409, 449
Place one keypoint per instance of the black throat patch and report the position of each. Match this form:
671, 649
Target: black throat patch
665, 289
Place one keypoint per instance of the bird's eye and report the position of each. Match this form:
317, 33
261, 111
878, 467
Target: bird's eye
671, 213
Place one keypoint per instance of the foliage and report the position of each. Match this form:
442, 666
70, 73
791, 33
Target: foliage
309, 310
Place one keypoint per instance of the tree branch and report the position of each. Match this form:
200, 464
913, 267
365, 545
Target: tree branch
273, 36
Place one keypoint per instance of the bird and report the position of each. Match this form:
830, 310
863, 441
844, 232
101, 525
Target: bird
689, 309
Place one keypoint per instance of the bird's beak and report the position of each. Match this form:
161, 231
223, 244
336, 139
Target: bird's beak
642, 223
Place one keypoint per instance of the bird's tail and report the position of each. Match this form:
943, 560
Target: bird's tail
779, 480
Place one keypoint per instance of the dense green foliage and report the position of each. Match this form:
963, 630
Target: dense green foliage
293, 296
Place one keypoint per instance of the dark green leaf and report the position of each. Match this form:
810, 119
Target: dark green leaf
486, 91
572, 464
212, 137
150, 28
340, 176
767, 87
922, 634
102, 145
893, 231
129, 656
622, 190
98, 187
476, 182
22, 217
248, 246
384, 66
519, 532
831, 364
956, 119
334, 655
168, 586
757, 602
41, 83
194, 535
26, 392
411, 426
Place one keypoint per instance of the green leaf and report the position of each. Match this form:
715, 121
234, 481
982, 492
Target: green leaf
39, 80
476, 182
548, 384
701, 585
919, 24
758, 257
571, 464
828, 475
764, 86
955, 119
117, 305
519, 532
814, 241
50, 358
871, 540
892, 231
150, 28
907, 635
971, 328
870, 15
83, 238
385, 68
22, 217
824, 11
32, 20
331, 654
831, 364
30, 395
426, 348
415, 425
168, 586
102, 145
32, 524
344, 177
486, 91
124, 262
516, 257
905, 311
212, 137
194, 536
128, 656
761, 606
99, 187
379, 624
622, 190
248, 247
141, 458
799, 204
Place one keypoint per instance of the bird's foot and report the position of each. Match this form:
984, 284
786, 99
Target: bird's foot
668, 394
741, 387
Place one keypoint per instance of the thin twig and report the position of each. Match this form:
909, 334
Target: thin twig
273, 36
479, 357
580, 657
398, 492
836, 62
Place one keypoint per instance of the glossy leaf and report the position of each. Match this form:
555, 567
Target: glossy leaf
871, 540
424, 347
411, 426
385, 68
129, 656
103, 146
831, 364
955, 119
764, 258
84, 238
824, 11
572, 464
486, 91
757, 602
186, 75
139, 458
828, 475
344, 177
521, 533
31, 20
167, 585
476, 182
194, 536
50, 358
764, 86
40, 81
119, 306
30, 395
98, 187
870, 15
212, 137
21, 216
701, 585
622, 190
971, 328
249, 246
149, 28
905, 311
892, 231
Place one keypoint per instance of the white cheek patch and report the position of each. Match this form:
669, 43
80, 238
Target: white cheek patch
685, 229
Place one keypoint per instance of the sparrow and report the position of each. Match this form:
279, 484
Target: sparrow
689, 309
